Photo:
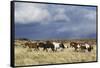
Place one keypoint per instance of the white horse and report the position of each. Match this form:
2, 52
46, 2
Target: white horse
87, 45
58, 45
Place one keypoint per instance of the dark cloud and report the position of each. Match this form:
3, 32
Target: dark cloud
43, 21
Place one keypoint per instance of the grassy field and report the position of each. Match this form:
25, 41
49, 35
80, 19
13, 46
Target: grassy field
23, 56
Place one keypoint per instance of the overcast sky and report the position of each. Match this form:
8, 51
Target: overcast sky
50, 21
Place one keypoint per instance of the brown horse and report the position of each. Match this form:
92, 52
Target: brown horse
74, 45
32, 45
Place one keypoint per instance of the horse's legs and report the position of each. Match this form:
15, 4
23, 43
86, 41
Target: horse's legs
89, 49
45, 49
62, 49
37, 49
53, 49
76, 50
30, 49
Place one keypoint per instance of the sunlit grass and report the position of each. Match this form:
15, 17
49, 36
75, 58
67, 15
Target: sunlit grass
24, 56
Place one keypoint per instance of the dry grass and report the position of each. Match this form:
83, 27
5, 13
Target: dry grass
23, 56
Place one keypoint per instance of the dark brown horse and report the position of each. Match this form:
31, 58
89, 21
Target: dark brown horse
46, 45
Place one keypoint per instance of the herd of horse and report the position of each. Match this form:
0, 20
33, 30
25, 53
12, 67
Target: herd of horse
45, 45
54, 46
82, 46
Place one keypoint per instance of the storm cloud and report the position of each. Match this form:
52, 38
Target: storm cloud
50, 21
